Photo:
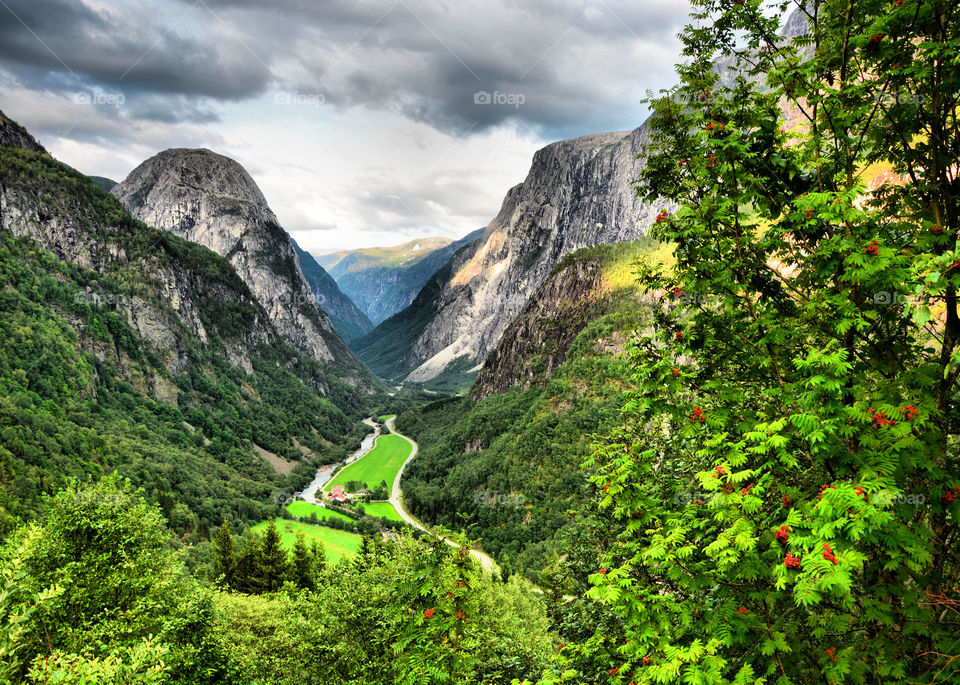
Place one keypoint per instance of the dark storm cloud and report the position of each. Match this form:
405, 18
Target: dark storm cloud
555, 67
51, 42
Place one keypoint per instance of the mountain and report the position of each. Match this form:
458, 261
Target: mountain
578, 193
508, 454
349, 321
125, 348
384, 280
103, 183
14, 135
211, 200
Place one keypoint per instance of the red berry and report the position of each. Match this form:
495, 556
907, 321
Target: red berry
828, 554
428, 613
603, 572
782, 534
791, 561
743, 610
675, 372
613, 671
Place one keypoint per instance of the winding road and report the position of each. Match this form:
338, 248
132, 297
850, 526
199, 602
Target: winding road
396, 496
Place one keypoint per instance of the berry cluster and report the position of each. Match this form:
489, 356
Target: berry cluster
876, 38
951, 495
783, 534
791, 561
873, 248
697, 416
880, 419
823, 488
675, 372
712, 161
743, 610
828, 554
910, 411
661, 217
937, 229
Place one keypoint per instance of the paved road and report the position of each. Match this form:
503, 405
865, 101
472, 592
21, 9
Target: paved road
396, 496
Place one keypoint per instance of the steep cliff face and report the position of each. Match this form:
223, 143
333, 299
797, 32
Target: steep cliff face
537, 341
384, 280
131, 349
556, 375
41, 200
13, 134
578, 193
209, 199
347, 318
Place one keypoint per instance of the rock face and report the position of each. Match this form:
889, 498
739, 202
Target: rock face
13, 134
537, 341
578, 193
211, 200
349, 321
384, 280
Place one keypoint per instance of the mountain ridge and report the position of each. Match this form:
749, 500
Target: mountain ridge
210, 199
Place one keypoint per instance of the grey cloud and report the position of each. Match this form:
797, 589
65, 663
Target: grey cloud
48, 42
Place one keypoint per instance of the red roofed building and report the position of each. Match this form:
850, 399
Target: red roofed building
336, 492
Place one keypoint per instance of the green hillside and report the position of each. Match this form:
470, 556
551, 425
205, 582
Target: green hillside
510, 462
83, 392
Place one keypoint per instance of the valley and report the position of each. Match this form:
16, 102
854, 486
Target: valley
684, 410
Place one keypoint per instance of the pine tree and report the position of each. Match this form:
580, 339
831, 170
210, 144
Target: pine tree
273, 560
224, 559
301, 570
319, 557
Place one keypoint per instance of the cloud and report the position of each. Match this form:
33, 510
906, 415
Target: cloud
365, 122
560, 68
60, 44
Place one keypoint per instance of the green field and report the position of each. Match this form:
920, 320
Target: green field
336, 543
304, 509
379, 464
383, 510
386, 417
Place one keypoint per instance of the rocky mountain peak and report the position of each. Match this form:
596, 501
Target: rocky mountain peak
210, 199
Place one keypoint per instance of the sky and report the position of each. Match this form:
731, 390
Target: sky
364, 122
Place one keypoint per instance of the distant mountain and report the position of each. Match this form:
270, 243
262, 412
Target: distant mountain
508, 454
126, 348
211, 200
578, 193
103, 183
349, 321
384, 280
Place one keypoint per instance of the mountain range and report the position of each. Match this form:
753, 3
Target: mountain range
384, 280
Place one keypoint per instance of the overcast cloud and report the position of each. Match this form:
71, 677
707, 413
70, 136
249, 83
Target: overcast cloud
364, 122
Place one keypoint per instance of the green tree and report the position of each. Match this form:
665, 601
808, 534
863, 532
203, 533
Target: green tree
302, 565
272, 560
781, 498
224, 561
